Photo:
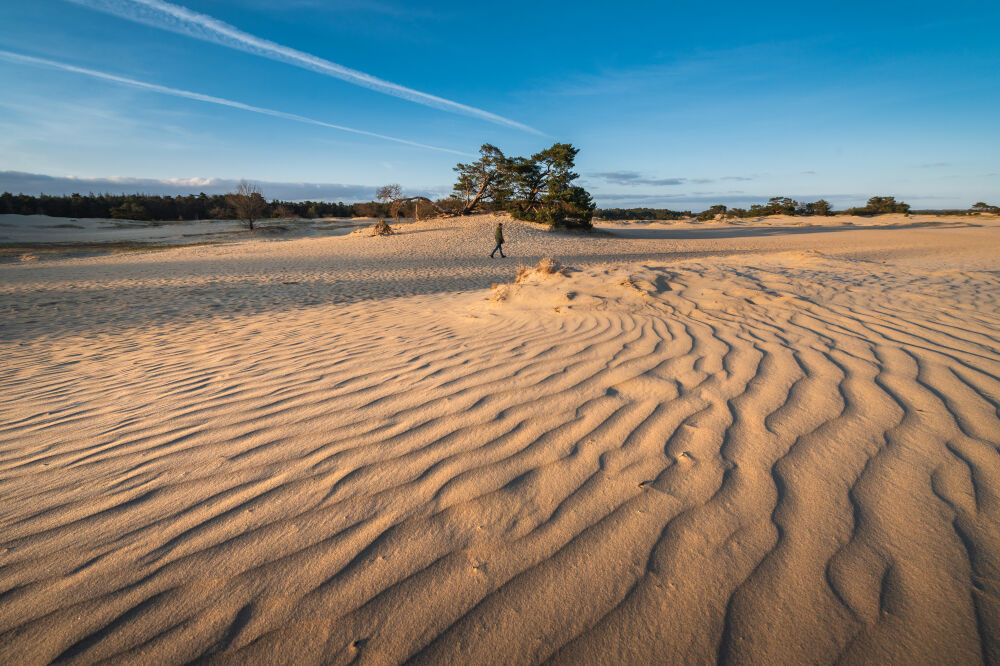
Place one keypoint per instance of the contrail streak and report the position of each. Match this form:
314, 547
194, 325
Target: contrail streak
29, 60
182, 20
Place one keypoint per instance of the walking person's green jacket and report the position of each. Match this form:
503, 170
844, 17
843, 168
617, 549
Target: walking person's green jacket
498, 235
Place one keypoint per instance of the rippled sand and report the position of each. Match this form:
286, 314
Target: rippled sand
755, 443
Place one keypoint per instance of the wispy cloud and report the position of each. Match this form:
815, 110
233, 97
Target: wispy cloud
636, 178
394, 9
182, 20
42, 62
35, 183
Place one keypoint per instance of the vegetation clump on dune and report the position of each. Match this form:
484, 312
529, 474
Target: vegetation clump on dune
382, 228
537, 189
547, 266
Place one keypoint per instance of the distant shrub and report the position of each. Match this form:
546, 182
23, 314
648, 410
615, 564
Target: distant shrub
821, 207
880, 206
382, 228
248, 203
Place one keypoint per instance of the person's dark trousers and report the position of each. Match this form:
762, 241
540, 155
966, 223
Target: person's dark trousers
498, 247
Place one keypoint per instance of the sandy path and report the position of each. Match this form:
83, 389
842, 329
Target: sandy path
779, 456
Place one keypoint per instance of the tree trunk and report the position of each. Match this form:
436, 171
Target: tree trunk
479, 195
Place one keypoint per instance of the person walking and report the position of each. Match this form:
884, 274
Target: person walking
498, 235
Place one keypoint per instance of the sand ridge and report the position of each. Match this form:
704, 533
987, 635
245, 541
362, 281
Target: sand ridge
353, 449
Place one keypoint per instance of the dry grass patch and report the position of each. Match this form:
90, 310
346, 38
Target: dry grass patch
382, 228
547, 266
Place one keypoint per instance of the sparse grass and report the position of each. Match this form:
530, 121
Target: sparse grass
547, 266
500, 293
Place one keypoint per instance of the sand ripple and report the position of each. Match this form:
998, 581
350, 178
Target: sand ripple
781, 459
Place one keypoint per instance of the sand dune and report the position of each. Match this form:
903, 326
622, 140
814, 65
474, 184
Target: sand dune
670, 448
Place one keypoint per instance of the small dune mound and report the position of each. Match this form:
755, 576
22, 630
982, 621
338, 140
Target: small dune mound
500, 292
549, 286
545, 268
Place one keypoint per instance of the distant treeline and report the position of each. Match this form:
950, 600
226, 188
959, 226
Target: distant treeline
216, 207
192, 207
784, 206
640, 214
774, 206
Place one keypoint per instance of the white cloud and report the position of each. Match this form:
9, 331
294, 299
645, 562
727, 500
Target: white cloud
182, 20
175, 92
636, 178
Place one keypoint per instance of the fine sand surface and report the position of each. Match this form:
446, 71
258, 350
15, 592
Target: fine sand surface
750, 443
20, 229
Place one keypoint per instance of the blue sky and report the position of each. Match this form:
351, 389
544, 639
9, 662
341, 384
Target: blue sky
678, 105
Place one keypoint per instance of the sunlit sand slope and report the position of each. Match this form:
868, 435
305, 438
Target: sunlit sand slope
760, 459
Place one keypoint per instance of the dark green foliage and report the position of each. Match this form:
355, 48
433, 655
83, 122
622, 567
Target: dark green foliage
485, 180
880, 206
887, 205
149, 207
130, 210
782, 205
710, 213
538, 189
774, 206
821, 207
981, 207
572, 207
